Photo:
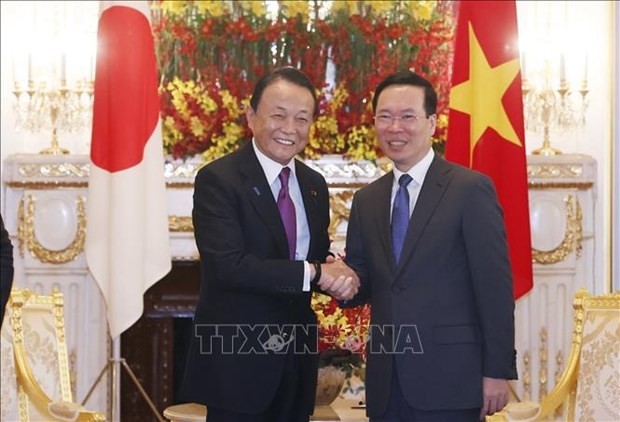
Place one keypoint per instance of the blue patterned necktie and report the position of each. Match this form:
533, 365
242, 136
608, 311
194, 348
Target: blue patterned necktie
287, 212
400, 216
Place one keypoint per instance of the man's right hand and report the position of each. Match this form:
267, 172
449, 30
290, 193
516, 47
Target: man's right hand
338, 280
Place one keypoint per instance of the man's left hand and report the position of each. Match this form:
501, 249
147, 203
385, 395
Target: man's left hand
495, 394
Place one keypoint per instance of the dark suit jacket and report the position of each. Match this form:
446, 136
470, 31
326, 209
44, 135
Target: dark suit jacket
450, 298
6, 265
247, 279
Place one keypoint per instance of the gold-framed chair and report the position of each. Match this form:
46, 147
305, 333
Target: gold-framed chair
589, 387
35, 375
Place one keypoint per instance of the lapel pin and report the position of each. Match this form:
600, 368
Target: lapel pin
256, 190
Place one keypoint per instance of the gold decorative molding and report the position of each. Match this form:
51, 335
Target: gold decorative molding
343, 172
56, 170
73, 371
52, 184
542, 374
559, 185
338, 204
559, 365
572, 236
182, 169
527, 376
553, 171
27, 238
559, 361
180, 223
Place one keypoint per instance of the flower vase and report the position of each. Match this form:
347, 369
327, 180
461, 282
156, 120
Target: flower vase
329, 384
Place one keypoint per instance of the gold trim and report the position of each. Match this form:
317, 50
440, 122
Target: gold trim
27, 238
180, 223
29, 388
559, 360
527, 376
339, 209
46, 185
58, 169
347, 185
180, 185
559, 185
572, 170
572, 236
79, 185
542, 373
565, 388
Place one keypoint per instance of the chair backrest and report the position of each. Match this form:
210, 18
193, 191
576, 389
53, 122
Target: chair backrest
589, 388
597, 395
35, 369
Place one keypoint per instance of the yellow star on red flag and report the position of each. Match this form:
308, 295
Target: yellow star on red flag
481, 95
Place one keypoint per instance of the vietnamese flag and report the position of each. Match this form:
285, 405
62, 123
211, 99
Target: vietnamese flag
127, 243
485, 130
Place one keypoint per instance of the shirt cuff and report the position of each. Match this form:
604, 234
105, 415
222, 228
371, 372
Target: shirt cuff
306, 287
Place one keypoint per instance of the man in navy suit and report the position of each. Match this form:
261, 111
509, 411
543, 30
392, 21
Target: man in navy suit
6, 265
260, 220
428, 243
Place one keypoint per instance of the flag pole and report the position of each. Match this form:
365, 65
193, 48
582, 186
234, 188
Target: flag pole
116, 379
115, 362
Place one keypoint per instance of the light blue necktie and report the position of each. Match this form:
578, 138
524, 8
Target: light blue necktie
400, 216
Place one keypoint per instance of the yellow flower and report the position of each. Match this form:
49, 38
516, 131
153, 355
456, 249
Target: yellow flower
422, 9
442, 121
292, 8
381, 7
347, 6
232, 131
256, 7
196, 126
171, 134
207, 104
362, 143
174, 7
214, 8
230, 104
179, 103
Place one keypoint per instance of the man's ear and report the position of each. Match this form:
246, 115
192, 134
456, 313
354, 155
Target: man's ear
250, 115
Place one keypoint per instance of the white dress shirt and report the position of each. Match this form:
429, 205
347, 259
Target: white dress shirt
418, 174
272, 170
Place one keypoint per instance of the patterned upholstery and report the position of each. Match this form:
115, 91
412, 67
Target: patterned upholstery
598, 385
589, 388
35, 371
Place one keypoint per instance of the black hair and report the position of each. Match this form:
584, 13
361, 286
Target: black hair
289, 74
407, 77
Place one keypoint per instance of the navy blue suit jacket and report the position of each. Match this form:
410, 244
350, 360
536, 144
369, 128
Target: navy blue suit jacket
450, 298
248, 280
6, 267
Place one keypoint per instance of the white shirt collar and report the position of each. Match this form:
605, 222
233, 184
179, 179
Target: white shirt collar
271, 168
418, 171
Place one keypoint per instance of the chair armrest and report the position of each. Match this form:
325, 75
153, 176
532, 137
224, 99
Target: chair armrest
72, 412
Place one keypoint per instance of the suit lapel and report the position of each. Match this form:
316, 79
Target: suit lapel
433, 189
383, 198
260, 196
310, 196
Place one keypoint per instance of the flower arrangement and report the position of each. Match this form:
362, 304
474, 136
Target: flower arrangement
210, 54
343, 332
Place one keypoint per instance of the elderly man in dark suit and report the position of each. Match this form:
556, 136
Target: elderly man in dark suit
260, 220
6, 265
428, 242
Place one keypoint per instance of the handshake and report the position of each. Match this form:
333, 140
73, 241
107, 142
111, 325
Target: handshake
338, 280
